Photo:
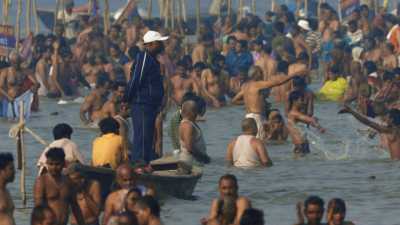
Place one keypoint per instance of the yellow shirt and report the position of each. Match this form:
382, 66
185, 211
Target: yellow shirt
107, 149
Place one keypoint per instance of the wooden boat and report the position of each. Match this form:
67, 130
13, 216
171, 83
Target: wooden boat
165, 179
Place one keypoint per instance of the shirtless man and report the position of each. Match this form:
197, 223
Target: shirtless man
211, 83
312, 209
88, 195
125, 181
267, 63
336, 213
246, 150
42, 72
92, 69
228, 187
111, 107
43, 215
200, 51
253, 98
7, 174
300, 84
301, 64
54, 189
389, 59
181, 83
94, 101
147, 211
295, 116
391, 130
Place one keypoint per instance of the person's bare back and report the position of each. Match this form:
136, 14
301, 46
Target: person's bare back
6, 208
89, 202
180, 86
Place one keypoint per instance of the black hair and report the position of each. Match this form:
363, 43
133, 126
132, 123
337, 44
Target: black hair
131, 217
114, 46
187, 59
38, 214
313, 24
201, 104
56, 154
133, 51
353, 24
303, 56
109, 125
282, 66
5, 159
102, 80
231, 38
267, 48
370, 67
218, 58
337, 205
294, 96
299, 82
335, 69
118, 84
279, 27
230, 177
62, 130
243, 44
150, 203
252, 216
313, 200
396, 71
199, 65
181, 63
387, 75
394, 114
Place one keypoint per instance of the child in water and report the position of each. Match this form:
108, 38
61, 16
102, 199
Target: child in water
295, 117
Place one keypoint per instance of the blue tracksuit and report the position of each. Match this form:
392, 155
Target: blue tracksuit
145, 93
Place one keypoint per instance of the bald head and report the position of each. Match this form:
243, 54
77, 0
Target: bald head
124, 169
189, 109
125, 177
249, 125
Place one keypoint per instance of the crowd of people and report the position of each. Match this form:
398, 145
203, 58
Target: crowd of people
139, 70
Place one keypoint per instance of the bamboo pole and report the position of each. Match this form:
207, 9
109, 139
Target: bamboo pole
149, 8
172, 9
106, 16
35, 16
63, 12
340, 11
6, 7
166, 13
56, 14
306, 8
198, 18
240, 10
253, 6
229, 8
23, 150
28, 9
184, 13
273, 5
18, 24
319, 10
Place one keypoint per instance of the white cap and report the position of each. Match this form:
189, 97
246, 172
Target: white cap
304, 24
152, 36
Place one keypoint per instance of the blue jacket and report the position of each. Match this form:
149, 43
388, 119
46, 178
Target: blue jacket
237, 61
146, 84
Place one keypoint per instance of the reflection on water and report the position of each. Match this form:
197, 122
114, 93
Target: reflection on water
342, 164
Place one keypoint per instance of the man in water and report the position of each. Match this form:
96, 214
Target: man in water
94, 101
147, 211
53, 189
181, 83
115, 201
88, 195
111, 107
145, 92
212, 88
253, 97
246, 150
252, 217
295, 116
43, 215
7, 174
228, 186
336, 212
192, 145
391, 129
300, 84
313, 209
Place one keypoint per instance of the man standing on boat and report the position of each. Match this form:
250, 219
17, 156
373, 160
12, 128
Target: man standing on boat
145, 93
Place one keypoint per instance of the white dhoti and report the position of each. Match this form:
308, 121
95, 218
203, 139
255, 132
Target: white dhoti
13, 107
260, 124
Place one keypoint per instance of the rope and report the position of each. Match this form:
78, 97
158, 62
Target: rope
15, 129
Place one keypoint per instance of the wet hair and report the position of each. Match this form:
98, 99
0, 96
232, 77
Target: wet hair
118, 84
387, 75
394, 114
299, 82
252, 216
109, 125
133, 51
149, 202
102, 80
132, 220
249, 124
337, 205
199, 65
201, 104
230, 177
218, 58
39, 213
353, 24
303, 56
282, 67
5, 159
313, 200
62, 130
255, 73
294, 96
181, 63
370, 67
114, 46
187, 59
56, 154
279, 27
267, 48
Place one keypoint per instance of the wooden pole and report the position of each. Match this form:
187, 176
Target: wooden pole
35, 16
18, 23
106, 17
340, 11
319, 10
273, 5
198, 18
6, 7
172, 13
149, 8
306, 8
28, 17
240, 10
229, 8
184, 14
23, 151
63, 12
253, 7
56, 14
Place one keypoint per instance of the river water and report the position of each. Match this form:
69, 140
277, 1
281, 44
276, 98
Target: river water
342, 164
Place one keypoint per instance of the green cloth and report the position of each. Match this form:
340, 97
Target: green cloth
174, 129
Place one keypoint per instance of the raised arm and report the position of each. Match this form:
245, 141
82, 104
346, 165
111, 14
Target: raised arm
363, 119
274, 81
